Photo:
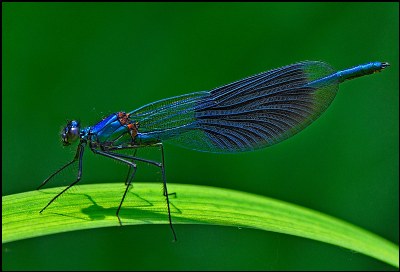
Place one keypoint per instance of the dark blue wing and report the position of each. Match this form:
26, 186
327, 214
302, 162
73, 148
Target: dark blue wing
248, 114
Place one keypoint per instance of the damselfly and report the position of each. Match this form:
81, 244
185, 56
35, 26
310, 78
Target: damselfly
252, 113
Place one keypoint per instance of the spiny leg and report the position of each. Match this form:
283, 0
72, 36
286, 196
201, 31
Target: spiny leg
130, 176
79, 154
143, 160
61, 169
129, 180
118, 156
166, 190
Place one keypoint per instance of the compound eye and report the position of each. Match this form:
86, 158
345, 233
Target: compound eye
70, 133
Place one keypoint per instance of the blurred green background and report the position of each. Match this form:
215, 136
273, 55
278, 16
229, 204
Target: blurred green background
86, 60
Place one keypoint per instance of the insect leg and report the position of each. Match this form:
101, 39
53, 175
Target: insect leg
130, 176
62, 168
79, 155
119, 157
166, 190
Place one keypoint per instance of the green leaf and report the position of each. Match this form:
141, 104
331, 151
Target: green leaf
93, 206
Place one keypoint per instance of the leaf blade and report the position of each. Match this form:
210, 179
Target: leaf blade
94, 205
